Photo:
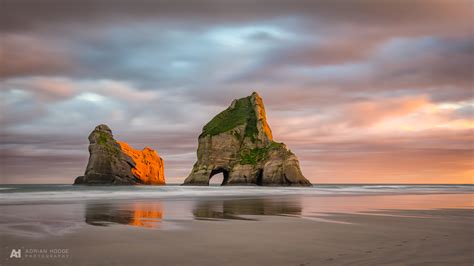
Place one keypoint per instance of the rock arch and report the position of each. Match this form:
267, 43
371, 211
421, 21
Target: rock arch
259, 180
239, 142
224, 172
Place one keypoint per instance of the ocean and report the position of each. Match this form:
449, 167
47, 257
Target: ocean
11, 194
41, 210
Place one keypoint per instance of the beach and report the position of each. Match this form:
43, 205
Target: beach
316, 226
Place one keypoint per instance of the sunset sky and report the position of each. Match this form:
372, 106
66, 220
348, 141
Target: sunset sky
361, 91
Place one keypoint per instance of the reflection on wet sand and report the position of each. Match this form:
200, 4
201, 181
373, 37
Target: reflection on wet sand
150, 214
137, 214
235, 209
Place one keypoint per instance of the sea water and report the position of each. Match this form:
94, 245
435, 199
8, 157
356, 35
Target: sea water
45, 210
64, 193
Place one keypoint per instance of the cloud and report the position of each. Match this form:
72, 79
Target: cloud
342, 82
25, 55
394, 166
439, 67
45, 89
439, 13
368, 113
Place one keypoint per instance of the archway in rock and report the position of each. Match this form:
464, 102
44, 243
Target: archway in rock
222, 171
260, 178
216, 180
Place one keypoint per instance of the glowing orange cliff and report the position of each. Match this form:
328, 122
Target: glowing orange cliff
149, 167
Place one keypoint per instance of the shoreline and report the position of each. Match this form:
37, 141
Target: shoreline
213, 226
441, 237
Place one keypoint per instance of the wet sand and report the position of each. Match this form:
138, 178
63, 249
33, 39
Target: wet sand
406, 237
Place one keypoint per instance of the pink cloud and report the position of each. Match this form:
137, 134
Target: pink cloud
25, 55
367, 113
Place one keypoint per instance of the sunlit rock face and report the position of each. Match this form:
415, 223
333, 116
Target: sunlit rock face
149, 167
238, 142
114, 163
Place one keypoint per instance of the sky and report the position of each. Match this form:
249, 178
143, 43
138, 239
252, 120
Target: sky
361, 91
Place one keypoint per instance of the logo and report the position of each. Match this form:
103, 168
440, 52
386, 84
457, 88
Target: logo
25, 253
16, 253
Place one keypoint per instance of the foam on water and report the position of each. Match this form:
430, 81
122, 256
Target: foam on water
46, 193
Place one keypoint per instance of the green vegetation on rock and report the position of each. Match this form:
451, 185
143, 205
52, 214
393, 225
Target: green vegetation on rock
103, 138
106, 141
257, 155
241, 113
236, 134
253, 156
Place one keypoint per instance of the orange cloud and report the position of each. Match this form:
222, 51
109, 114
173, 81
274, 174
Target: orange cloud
367, 113
399, 165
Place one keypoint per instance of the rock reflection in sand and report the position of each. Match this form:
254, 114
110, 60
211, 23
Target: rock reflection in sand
239, 209
138, 214
160, 214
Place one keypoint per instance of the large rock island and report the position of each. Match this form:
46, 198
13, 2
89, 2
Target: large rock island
116, 163
238, 142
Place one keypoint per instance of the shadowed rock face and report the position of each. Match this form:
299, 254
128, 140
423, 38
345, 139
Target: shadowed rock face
116, 163
238, 142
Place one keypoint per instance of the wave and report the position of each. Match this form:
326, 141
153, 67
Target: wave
31, 193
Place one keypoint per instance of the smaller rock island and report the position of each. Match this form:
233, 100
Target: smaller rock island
238, 142
114, 162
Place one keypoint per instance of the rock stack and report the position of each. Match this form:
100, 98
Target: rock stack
238, 142
116, 163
